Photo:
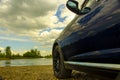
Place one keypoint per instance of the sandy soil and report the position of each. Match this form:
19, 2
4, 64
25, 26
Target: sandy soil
37, 73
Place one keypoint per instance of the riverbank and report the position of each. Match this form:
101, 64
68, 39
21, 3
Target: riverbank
24, 58
5, 59
37, 73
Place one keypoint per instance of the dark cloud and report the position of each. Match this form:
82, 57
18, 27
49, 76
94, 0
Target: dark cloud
31, 8
25, 15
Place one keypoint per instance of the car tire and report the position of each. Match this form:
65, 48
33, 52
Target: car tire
58, 65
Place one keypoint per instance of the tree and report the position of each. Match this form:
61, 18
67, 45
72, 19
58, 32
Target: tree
2, 55
15, 56
38, 53
8, 52
48, 56
33, 53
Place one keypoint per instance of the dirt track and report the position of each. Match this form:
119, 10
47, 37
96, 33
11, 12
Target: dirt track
36, 73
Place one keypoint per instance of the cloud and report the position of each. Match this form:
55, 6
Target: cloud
44, 53
22, 15
46, 37
1, 48
36, 19
28, 7
13, 39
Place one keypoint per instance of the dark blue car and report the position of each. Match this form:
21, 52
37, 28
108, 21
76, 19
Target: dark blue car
91, 41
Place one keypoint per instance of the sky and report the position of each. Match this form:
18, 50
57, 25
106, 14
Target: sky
32, 24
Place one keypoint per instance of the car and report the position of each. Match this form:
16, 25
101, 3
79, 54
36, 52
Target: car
91, 41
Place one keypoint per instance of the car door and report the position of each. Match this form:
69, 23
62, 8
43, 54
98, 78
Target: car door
95, 31
74, 32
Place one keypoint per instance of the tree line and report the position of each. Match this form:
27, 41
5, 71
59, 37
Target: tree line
33, 53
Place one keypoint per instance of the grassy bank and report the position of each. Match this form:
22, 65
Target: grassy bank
27, 73
37, 73
4, 59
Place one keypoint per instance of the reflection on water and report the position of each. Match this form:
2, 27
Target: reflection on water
7, 62
26, 62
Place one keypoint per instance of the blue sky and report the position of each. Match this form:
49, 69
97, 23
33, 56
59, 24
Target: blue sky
27, 24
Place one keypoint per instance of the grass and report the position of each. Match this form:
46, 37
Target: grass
37, 73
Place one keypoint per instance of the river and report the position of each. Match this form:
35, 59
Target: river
26, 62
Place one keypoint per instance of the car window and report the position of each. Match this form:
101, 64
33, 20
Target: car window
80, 2
93, 3
89, 3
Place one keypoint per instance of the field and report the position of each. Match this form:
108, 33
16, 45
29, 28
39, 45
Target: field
37, 73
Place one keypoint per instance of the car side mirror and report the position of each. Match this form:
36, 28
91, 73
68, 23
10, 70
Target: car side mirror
72, 5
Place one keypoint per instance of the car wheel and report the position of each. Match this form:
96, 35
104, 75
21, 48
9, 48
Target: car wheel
58, 65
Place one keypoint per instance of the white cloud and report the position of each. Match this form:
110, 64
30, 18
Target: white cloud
1, 48
44, 53
50, 35
35, 47
46, 38
12, 39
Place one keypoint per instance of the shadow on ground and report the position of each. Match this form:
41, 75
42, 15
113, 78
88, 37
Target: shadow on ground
76, 75
1, 78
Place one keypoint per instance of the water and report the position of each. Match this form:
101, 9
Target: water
26, 62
